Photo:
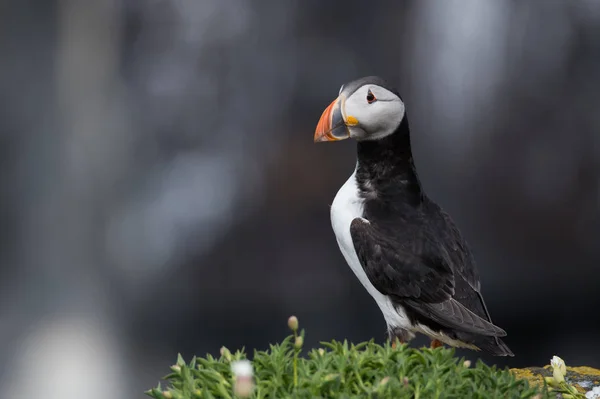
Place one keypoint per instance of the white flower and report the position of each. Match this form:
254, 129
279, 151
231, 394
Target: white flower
559, 369
242, 368
558, 364
593, 394
242, 372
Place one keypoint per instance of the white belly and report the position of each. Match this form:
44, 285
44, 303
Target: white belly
347, 206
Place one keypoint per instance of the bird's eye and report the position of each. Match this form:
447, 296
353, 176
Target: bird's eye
371, 97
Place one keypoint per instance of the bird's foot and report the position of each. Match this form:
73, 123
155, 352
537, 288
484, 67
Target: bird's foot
396, 342
398, 336
436, 343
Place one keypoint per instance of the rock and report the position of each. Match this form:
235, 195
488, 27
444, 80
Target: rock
583, 378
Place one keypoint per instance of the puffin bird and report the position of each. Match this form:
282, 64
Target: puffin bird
405, 250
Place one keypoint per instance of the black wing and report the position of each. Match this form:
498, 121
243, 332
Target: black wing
418, 276
459, 252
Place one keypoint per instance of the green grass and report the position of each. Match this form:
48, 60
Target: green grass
342, 370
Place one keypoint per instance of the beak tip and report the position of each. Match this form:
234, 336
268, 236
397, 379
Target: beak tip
323, 131
319, 137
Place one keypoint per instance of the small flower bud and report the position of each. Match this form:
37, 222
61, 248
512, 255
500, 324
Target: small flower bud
167, 395
293, 323
467, 363
405, 381
551, 382
225, 353
298, 343
572, 389
175, 368
321, 351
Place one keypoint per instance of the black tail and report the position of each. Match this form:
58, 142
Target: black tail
494, 346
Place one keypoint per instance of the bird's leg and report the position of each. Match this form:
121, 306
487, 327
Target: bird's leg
436, 343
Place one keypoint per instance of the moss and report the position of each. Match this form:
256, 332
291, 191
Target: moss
584, 370
535, 378
583, 378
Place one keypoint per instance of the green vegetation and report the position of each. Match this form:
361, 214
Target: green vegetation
342, 370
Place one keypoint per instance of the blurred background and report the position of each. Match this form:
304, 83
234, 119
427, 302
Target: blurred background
161, 193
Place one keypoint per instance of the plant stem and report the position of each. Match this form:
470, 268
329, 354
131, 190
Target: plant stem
296, 370
295, 362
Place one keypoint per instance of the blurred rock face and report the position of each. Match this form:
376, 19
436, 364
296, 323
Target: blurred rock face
158, 171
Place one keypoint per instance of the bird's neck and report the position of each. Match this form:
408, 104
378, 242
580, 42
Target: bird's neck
386, 165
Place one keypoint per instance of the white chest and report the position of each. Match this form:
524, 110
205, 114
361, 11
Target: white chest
347, 206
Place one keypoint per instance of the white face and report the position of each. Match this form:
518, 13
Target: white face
376, 111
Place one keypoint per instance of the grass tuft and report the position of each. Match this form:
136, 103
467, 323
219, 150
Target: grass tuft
344, 370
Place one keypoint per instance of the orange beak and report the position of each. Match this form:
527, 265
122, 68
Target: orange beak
331, 126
